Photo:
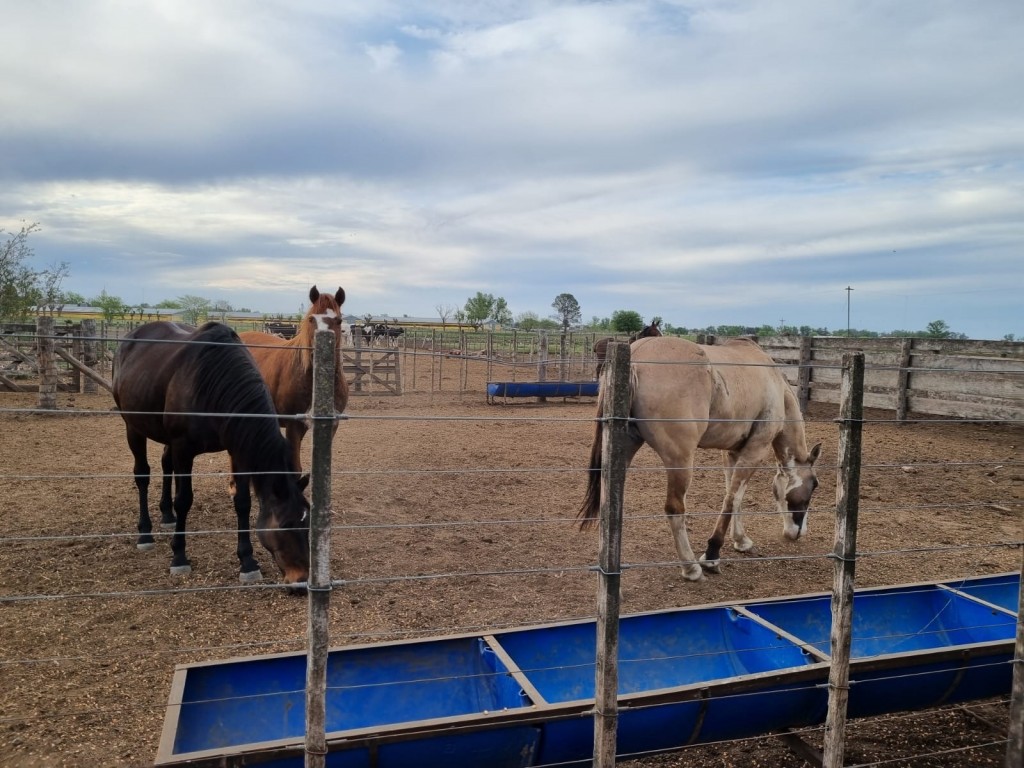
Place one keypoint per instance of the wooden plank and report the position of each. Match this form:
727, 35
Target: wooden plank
12, 385
67, 357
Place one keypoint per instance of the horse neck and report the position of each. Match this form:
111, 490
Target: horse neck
791, 442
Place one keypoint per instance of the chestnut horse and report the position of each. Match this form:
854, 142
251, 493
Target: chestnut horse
198, 391
601, 345
685, 396
287, 366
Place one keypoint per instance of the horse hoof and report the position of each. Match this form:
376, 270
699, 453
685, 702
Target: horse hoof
145, 546
744, 545
711, 566
693, 573
250, 577
167, 526
180, 570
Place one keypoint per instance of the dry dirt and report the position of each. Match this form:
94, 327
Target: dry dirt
87, 654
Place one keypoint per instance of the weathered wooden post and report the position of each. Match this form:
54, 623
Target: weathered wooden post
803, 374
47, 363
542, 362
1015, 732
319, 581
851, 417
615, 414
903, 379
562, 372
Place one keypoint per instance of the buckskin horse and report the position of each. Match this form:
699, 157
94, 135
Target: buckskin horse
601, 345
199, 391
685, 396
287, 366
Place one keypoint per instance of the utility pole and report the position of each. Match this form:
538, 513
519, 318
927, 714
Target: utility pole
848, 290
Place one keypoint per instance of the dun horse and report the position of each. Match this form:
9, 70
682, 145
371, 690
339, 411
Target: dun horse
287, 366
198, 391
685, 396
601, 345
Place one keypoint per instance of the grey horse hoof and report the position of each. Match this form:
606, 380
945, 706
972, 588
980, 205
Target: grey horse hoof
145, 547
167, 526
180, 570
711, 566
251, 577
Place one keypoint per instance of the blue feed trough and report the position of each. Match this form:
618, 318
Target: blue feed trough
524, 697
542, 389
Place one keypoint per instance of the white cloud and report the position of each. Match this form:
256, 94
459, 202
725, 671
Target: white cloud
622, 151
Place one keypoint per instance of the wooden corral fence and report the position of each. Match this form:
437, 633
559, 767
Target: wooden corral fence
51, 358
937, 377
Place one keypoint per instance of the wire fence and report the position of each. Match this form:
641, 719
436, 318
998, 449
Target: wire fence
448, 520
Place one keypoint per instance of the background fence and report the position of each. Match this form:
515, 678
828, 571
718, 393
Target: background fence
937, 377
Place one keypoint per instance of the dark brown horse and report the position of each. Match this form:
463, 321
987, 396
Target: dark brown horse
685, 396
199, 391
601, 345
287, 365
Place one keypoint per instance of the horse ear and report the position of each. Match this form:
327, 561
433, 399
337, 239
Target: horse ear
314, 294
814, 454
340, 296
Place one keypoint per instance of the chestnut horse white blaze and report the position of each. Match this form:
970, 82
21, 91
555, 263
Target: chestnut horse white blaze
287, 365
685, 396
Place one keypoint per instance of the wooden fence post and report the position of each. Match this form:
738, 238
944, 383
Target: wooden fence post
542, 362
1015, 732
615, 414
319, 580
851, 416
903, 379
803, 373
89, 354
46, 359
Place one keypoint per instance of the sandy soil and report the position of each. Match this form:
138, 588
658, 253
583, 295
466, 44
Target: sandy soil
92, 631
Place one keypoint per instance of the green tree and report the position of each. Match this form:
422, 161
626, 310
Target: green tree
479, 308
50, 295
627, 321
567, 309
74, 299
18, 292
501, 314
111, 306
530, 321
194, 309
938, 329
168, 304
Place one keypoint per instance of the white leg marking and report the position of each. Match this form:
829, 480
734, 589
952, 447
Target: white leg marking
691, 569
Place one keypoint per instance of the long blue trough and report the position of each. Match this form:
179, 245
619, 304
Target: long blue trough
524, 697
542, 389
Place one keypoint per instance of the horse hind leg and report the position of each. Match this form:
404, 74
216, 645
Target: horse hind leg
167, 518
730, 518
675, 508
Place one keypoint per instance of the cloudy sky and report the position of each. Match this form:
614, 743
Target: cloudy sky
708, 162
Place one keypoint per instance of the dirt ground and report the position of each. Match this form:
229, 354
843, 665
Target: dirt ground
92, 631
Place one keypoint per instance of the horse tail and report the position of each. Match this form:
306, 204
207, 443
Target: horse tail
591, 506
587, 514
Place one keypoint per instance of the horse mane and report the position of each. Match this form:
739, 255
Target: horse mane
320, 304
227, 381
